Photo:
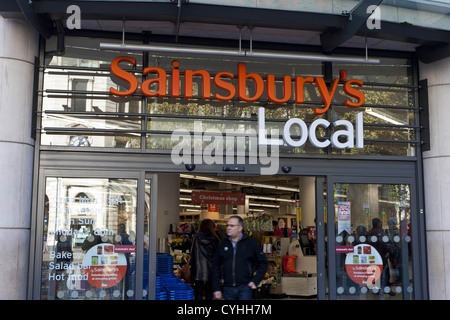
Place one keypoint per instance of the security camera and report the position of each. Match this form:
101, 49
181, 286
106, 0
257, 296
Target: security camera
286, 169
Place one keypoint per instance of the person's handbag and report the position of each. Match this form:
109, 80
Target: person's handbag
185, 272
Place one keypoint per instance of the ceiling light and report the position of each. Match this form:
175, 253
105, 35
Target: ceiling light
270, 198
241, 183
235, 53
383, 116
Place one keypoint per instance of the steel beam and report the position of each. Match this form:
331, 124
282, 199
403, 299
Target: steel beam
43, 26
354, 20
429, 54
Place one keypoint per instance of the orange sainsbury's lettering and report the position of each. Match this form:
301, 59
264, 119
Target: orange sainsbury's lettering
299, 88
354, 93
287, 87
230, 85
242, 84
122, 74
326, 95
188, 79
227, 86
160, 80
175, 86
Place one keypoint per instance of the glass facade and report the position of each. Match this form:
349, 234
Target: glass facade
77, 105
90, 248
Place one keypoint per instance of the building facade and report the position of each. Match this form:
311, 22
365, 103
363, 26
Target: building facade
341, 103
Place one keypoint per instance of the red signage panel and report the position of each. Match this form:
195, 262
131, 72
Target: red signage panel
212, 197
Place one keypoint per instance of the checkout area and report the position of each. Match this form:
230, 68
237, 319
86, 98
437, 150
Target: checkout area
298, 276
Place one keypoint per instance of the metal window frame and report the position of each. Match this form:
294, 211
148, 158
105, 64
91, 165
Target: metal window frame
420, 285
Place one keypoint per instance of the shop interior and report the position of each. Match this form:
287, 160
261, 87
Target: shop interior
278, 212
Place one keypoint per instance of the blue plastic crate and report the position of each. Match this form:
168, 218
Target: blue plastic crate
179, 291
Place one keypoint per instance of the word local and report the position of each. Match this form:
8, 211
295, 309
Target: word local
345, 142
222, 81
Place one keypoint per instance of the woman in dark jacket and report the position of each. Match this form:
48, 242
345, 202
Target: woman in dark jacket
203, 252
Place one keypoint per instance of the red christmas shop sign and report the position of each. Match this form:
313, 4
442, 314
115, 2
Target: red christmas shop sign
364, 265
104, 266
215, 197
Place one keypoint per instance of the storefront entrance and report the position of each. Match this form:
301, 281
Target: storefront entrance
115, 171
99, 235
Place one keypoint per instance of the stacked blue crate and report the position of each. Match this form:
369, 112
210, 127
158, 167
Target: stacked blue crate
179, 291
145, 280
168, 285
164, 263
164, 271
161, 292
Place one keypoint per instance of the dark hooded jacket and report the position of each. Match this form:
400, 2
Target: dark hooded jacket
203, 252
238, 265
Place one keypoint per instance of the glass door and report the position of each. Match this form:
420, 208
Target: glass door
371, 236
96, 235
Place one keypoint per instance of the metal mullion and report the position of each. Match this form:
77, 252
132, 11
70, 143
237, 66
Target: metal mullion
38, 196
86, 69
94, 113
262, 102
79, 73
68, 130
75, 68
415, 216
144, 120
331, 236
153, 237
393, 141
411, 126
36, 268
85, 93
384, 84
375, 106
191, 117
419, 254
140, 237
321, 240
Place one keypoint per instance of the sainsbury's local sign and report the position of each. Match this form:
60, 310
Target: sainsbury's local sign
228, 85
296, 91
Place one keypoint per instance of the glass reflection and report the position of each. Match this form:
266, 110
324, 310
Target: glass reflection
77, 105
89, 239
373, 242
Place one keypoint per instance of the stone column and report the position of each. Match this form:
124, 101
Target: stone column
437, 178
19, 46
